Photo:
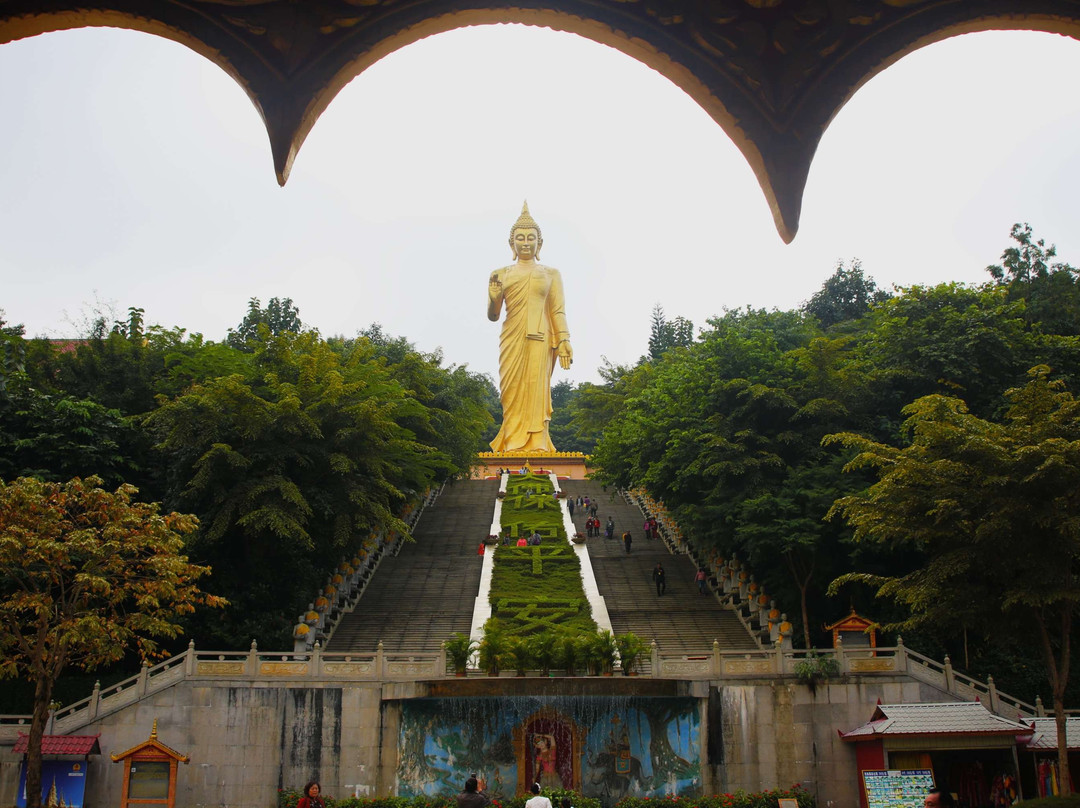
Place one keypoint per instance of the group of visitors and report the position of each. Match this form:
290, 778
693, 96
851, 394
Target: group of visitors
652, 530
534, 540
475, 796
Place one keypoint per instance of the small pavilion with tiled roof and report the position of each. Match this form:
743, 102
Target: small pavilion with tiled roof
854, 631
965, 745
149, 773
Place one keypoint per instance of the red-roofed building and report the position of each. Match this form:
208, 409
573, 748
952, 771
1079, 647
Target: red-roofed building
64, 745
971, 751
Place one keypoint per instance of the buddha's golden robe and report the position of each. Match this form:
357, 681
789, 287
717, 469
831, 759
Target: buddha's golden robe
534, 326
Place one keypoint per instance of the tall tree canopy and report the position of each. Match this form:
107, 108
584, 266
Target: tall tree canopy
279, 317
845, 296
995, 509
84, 575
727, 431
292, 466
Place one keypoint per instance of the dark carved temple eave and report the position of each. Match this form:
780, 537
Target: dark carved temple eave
772, 73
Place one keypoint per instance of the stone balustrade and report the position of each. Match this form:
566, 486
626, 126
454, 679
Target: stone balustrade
712, 665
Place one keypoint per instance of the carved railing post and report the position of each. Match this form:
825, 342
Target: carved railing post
841, 658
440, 664
1040, 711
901, 655
716, 668
316, 659
144, 676
950, 680
253, 659
778, 658
654, 655
95, 701
380, 660
189, 661
992, 694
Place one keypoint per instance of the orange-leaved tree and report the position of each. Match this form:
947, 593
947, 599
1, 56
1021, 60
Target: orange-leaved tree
85, 574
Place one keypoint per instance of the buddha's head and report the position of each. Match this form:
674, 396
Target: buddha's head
525, 236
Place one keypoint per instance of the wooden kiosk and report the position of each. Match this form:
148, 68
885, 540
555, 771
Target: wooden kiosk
149, 773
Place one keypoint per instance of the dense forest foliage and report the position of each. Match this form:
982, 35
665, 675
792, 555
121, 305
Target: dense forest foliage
290, 447
729, 429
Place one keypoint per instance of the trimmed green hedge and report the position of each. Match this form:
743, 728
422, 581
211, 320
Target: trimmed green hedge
738, 799
522, 514
537, 589
290, 797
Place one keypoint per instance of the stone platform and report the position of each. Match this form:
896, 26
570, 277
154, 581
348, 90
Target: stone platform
566, 465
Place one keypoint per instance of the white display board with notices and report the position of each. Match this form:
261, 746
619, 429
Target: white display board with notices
897, 788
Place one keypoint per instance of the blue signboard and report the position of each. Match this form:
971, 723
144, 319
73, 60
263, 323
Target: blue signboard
63, 784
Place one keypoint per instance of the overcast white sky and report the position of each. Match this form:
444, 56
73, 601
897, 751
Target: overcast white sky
134, 172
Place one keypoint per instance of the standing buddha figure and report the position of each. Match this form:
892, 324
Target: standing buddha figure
534, 337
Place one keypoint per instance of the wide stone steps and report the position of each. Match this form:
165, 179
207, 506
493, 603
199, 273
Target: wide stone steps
681, 621
417, 599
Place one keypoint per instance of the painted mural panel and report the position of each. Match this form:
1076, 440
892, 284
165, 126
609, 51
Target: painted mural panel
600, 746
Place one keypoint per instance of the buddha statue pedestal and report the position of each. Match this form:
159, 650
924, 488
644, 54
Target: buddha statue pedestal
570, 465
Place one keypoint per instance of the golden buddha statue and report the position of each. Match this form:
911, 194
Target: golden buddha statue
534, 335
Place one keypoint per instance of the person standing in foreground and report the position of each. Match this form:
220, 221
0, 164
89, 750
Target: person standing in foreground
312, 796
471, 797
534, 337
537, 800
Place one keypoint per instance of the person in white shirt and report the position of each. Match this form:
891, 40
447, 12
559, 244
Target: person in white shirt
537, 800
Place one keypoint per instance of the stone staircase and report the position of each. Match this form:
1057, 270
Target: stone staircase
421, 596
681, 621
425, 593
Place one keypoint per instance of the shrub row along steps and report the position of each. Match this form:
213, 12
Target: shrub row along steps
420, 597
682, 621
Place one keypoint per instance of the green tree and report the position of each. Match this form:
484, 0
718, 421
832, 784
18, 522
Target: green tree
279, 317
667, 334
846, 295
84, 575
56, 437
292, 468
951, 339
564, 431
1050, 288
995, 507
12, 351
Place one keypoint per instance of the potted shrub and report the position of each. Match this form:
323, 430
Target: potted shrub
493, 647
631, 648
570, 650
519, 654
600, 653
543, 651
579, 538
458, 650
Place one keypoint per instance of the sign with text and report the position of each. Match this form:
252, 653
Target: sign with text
897, 788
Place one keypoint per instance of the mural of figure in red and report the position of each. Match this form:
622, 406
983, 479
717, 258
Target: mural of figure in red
546, 757
549, 751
